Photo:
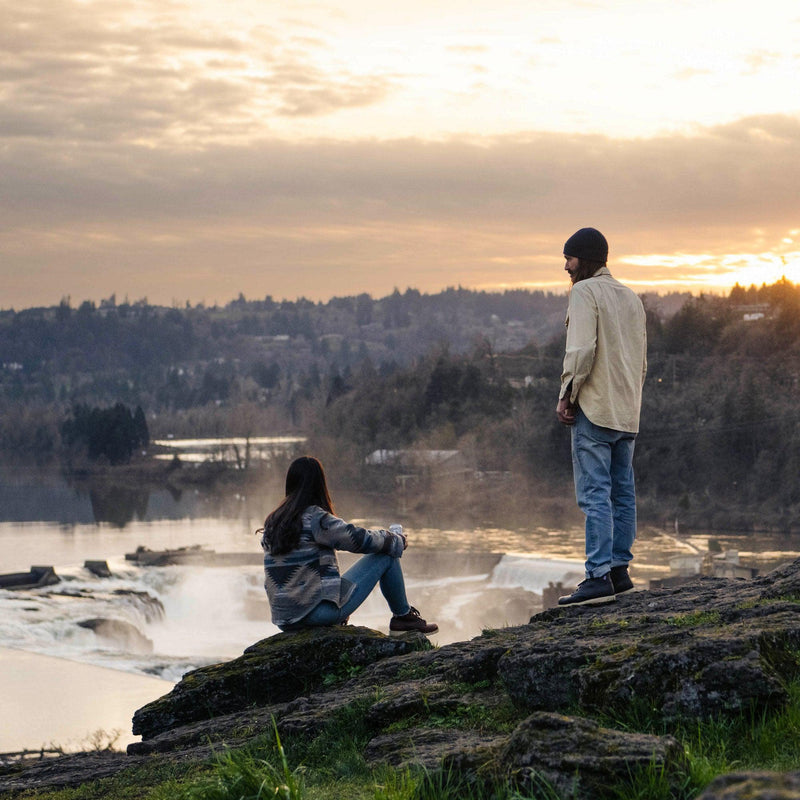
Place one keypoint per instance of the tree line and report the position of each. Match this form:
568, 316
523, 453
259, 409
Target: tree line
249, 366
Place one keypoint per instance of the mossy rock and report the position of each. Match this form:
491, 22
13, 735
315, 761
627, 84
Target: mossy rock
580, 759
274, 670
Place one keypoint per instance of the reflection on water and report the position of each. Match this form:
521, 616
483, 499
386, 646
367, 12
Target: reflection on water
235, 450
27, 496
88, 700
119, 505
33, 495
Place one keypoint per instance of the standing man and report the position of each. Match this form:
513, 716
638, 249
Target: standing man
600, 399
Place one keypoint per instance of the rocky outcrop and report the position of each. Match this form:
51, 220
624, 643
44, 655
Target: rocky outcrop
67, 770
525, 704
579, 757
274, 670
97, 568
754, 786
706, 650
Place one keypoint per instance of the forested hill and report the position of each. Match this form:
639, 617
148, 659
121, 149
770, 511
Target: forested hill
172, 358
472, 371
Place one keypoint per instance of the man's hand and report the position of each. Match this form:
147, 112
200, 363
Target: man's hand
565, 411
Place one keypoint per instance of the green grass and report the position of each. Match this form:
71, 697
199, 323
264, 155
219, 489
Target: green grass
240, 776
654, 783
474, 717
694, 619
422, 784
753, 740
487, 719
491, 717
345, 670
413, 671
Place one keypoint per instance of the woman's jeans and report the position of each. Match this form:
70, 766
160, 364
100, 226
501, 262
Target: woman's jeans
365, 573
602, 464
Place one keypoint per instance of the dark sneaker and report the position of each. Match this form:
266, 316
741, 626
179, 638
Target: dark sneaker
590, 591
621, 580
411, 622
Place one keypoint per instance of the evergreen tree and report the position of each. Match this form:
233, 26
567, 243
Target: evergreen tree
110, 433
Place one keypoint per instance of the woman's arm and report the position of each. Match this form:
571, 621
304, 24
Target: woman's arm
330, 531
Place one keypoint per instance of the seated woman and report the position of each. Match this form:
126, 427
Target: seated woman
301, 572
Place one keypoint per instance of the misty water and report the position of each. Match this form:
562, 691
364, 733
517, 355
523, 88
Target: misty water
155, 623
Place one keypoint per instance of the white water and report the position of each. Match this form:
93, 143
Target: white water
175, 618
533, 573
162, 620
165, 620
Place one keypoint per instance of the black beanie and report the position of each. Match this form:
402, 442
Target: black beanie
587, 243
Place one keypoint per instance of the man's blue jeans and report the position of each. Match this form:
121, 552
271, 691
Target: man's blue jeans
365, 573
602, 464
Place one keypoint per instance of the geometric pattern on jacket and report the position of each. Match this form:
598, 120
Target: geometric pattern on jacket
297, 581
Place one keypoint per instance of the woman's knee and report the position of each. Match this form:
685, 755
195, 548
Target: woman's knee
370, 568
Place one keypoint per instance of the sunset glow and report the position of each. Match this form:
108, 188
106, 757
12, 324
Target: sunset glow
181, 151
701, 272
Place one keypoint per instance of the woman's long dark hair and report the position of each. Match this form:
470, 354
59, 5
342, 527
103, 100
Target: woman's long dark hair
305, 486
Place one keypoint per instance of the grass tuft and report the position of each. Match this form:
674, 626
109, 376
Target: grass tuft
238, 775
440, 784
694, 619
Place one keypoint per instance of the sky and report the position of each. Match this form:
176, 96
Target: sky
187, 152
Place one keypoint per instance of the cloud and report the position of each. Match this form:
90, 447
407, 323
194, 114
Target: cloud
335, 217
307, 92
758, 60
140, 72
691, 72
744, 171
467, 49
137, 155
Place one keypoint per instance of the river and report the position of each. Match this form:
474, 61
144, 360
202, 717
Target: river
111, 644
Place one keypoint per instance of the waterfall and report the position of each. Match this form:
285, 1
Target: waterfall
534, 573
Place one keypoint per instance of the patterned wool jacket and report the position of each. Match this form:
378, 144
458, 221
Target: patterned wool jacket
297, 581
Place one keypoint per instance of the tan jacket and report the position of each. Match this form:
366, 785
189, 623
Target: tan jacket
606, 355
